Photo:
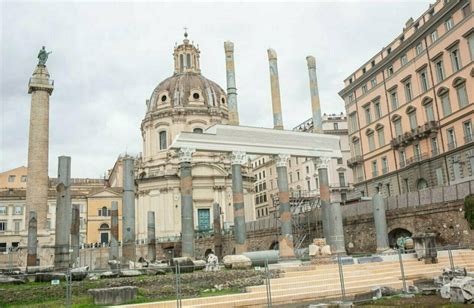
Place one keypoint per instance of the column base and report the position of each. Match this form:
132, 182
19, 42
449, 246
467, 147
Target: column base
240, 248
286, 247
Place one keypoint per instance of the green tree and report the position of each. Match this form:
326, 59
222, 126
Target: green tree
469, 210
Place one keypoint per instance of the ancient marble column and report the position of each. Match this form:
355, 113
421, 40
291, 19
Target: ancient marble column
275, 88
40, 87
286, 234
32, 250
313, 87
237, 160
151, 236
75, 233
231, 87
380, 221
337, 229
322, 165
187, 210
216, 209
128, 211
63, 214
114, 232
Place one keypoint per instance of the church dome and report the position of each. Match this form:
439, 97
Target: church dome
187, 87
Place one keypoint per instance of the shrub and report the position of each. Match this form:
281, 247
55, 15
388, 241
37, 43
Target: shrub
469, 210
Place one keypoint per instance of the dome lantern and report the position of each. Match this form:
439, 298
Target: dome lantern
186, 57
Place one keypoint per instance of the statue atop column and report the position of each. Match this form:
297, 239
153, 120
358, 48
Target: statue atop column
43, 56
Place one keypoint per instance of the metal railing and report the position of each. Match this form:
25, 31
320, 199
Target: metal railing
467, 138
452, 145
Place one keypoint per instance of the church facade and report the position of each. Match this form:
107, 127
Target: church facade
185, 102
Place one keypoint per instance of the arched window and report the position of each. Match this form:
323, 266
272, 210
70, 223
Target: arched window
104, 227
104, 211
163, 143
181, 62
188, 60
197, 130
460, 84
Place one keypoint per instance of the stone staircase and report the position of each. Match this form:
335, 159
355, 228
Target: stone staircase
318, 282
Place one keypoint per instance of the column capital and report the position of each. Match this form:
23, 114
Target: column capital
282, 160
238, 158
322, 162
185, 154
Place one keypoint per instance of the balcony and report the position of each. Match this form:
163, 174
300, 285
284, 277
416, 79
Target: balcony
385, 170
415, 159
354, 161
452, 145
467, 138
419, 132
375, 173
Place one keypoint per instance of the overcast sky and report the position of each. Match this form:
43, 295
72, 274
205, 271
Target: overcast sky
108, 57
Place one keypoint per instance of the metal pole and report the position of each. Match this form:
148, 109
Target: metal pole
269, 287
405, 290
451, 261
341, 277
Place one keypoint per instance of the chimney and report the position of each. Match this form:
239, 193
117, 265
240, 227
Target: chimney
275, 86
231, 88
313, 87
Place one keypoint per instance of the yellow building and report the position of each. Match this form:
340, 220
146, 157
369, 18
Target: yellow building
99, 206
14, 178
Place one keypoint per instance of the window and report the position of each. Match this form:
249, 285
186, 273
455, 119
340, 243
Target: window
181, 62
353, 122
429, 112
434, 146
374, 168
419, 48
104, 211
373, 82
368, 119
451, 138
439, 176
434, 36
394, 100
372, 63
470, 42
351, 98
370, 138
339, 161
398, 127
308, 183
462, 95
449, 24
388, 189
440, 70
291, 178
336, 126
307, 169
17, 226
381, 137
188, 60
364, 89
467, 126
18, 210
446, 104
378, 112
412, 118
11, 178
424, 81
3, 226
455, 59
417, 151
403, 59
356, 144
457, 170
298, 175
197, 130
163, 142
342, 179
384, 165
3, 210
363, 70
408, 91
389, 50
390, 71
402, 158
466, 10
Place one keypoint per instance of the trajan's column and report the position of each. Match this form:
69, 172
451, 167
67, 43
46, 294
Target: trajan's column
40, 87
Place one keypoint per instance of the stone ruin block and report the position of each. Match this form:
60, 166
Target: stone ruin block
463, 190
425, 196
413, 199
437, 195
462, 290
449, 193
113, 296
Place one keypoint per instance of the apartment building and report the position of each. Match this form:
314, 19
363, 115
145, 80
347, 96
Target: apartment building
302, 175
410, 107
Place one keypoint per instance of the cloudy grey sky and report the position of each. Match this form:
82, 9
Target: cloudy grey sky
108, 57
